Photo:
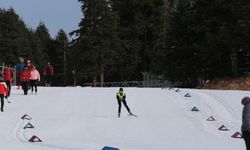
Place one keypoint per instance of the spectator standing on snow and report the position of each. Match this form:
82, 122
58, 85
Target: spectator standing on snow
19, 68
24, 78
3, 91
48, 72
8, 77
121, 98
245, 128
34, 77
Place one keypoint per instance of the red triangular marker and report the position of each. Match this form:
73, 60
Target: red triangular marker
237, 135
223, 128
35, 139
27, 117
211, 118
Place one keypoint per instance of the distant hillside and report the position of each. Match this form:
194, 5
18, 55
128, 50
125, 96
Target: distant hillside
242, 83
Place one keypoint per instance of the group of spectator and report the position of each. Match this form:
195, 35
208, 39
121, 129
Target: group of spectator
28, 75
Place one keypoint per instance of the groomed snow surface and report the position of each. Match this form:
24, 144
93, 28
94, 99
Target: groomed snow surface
76, 118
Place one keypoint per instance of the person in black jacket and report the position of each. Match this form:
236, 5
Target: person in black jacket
245, 128
121, 98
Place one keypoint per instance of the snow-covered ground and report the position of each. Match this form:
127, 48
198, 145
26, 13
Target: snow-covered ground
76, 118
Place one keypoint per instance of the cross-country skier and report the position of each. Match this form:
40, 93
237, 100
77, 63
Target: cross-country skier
121, 98
3, 91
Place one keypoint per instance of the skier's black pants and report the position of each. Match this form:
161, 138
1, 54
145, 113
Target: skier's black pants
2, 101
8, 86
120, 105
246, 136
25, 87
33, 83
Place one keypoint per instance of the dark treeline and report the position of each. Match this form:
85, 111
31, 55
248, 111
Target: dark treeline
180, 40
208, 39
117, 39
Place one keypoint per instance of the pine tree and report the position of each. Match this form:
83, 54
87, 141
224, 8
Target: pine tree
59, 55
14, 37
41, 46
139, 29
98, 39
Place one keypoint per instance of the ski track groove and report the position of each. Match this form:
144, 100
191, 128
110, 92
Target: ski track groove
19, 132
213, 112
226, 105
21, 137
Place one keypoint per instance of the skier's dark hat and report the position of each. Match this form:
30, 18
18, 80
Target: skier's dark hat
245, 100
121, 89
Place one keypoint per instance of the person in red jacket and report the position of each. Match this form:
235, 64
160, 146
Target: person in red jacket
48, 72
3, 91
24, 78
8, 77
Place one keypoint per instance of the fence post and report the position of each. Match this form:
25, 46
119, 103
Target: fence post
2, 67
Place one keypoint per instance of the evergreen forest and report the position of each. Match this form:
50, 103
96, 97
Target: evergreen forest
117, 40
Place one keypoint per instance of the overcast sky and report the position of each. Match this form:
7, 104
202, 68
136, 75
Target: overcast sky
55, 14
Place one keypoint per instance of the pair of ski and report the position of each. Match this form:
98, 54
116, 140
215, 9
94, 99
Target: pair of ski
132, 115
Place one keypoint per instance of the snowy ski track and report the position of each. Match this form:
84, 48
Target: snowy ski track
76, 118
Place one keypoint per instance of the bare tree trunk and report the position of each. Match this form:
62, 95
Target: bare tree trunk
167, 10
234, 62
101, 75
65, 63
